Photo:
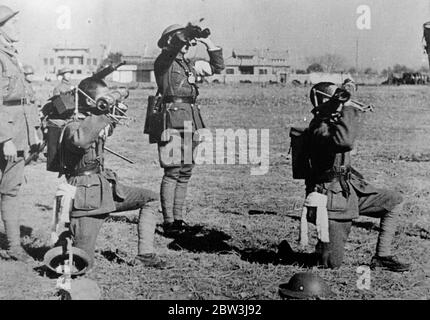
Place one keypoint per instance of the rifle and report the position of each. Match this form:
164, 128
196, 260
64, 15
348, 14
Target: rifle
34, 153
108, 70
119, 155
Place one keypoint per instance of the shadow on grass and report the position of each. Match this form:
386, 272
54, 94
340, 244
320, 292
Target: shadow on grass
198, 239
368, 225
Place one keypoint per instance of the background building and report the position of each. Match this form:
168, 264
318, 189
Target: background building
255, 66
83, 61
137, 69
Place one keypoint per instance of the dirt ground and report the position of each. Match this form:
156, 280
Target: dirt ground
228, 253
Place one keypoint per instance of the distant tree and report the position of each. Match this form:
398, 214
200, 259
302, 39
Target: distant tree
315, 67
329, 62
370, 71
423, 69
112, 58
352, 70
386, 72
401, 69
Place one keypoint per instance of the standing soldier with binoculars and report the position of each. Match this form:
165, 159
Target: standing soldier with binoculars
176, 79
19, 123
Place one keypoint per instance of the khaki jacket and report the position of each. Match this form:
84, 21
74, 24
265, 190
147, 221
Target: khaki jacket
18, 117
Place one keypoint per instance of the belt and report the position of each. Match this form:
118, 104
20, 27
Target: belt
18, 102
86, 171
334, 174
342, 174
177, 99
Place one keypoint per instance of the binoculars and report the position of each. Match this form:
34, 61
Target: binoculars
106, 102
190, 33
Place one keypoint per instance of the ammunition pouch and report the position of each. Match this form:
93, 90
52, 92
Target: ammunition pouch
155, 122
341, 174
170, 112
85, 171
177, 99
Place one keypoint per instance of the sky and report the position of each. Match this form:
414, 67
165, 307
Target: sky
303, 27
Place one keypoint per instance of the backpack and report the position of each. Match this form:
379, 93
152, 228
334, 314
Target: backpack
54, 141
300, 152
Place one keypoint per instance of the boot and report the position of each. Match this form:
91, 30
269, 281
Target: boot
19, 254
12, 229
389, 263
175, 228
286, 254
151, 260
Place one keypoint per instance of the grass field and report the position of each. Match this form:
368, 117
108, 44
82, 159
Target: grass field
228, 254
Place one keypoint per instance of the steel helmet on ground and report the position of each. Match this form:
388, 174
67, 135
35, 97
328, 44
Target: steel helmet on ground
305, 285
169, 30
6, 14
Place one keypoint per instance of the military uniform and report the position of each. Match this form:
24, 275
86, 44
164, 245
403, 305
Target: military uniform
175, 76
18, 122
348, 194
63, 87
98, 191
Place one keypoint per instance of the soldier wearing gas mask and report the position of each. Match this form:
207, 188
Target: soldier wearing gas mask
19, 123
98, 191
176, 79
335, 190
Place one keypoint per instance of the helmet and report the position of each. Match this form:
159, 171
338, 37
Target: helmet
169, 30
349, 85
56, 259
321, 91
305, 285
63, 71
28, 70
6, 14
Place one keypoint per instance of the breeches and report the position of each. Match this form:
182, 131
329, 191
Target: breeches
86, 229
332, 253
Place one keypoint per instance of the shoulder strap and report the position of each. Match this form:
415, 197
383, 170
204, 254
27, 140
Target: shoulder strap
188, 70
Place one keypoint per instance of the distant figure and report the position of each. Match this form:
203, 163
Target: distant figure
28, 74
64, 75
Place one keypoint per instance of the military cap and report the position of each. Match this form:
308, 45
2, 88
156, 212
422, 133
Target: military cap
169, 30
63, 71
28, 70
6, 14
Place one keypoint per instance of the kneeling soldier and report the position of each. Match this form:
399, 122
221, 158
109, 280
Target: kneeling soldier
329, 140
98, 192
